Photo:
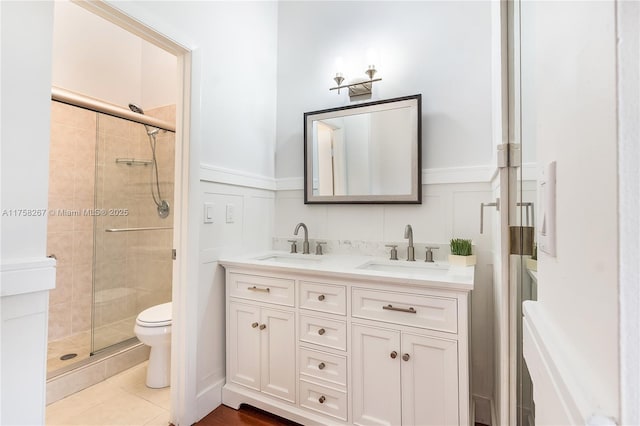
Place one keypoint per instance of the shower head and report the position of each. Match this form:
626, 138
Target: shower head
135, 108
150, 130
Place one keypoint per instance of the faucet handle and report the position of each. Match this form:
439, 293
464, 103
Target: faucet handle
429, 254
294, 249
319, 247
394, 251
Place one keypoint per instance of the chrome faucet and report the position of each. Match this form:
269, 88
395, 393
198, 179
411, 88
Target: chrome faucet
305, 244
411, 252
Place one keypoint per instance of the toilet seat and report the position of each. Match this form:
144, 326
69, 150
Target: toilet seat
155, 316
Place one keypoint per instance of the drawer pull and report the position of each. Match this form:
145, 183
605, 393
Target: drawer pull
321, 297
322, 399
321, 331
254, 325
393, 355
406, 357
393, 308
321, 366
254, 288
263, 326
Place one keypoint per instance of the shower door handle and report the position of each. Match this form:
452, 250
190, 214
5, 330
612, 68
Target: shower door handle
496, 204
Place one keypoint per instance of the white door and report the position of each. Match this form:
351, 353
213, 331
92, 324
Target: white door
429, 377
376, 376
244, 345
278, 354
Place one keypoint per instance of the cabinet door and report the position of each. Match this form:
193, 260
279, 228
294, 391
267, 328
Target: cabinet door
244, 345
376, 376
278, 354
429, 381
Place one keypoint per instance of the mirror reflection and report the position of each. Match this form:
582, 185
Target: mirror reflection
366, 153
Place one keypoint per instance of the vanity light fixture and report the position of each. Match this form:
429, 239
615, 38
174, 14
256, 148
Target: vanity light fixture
360, 86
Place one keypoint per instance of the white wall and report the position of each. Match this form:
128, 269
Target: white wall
251, 230
26, 89
96, 58
440, 49
232, 131
570, 96
629, 193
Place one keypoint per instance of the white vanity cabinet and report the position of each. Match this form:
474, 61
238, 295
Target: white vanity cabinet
326, 348
261, 340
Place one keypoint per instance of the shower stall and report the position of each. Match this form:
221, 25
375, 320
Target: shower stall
110, 227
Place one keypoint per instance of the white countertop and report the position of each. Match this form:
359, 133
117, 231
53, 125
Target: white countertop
419, 273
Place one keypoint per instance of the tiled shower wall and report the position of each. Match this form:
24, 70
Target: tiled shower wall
132, 269
70, 236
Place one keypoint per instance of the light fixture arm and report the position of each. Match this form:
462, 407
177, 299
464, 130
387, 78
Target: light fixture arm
361, 83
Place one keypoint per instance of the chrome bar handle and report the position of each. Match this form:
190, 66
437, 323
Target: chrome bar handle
264, 290
393, 308
482, 206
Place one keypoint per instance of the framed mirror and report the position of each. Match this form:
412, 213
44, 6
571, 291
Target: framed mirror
364, 154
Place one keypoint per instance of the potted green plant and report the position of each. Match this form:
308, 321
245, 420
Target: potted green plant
461, 253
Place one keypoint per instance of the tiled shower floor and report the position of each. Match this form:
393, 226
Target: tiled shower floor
80, 343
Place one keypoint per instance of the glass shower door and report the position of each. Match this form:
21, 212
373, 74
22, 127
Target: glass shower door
132, 243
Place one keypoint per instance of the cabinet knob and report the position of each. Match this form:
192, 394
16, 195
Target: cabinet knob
321, 297
322, 399
321, 366
254, 325
393, 355
406, 357
263, 326
321, 331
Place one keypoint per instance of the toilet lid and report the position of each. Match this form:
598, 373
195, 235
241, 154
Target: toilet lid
155, 316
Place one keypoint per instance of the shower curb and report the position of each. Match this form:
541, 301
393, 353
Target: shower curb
95, 371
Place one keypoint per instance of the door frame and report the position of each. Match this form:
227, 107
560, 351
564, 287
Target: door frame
183, 336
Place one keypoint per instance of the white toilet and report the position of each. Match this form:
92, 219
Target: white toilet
153, 328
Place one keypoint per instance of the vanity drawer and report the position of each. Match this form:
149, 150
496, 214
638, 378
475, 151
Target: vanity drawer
264, 289
321, 365
436, 313
323, 331
323, 297
325, 400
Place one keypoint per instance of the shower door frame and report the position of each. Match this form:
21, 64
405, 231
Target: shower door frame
185, 239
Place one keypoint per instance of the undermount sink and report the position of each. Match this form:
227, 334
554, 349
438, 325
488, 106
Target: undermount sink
291, 259
405, 267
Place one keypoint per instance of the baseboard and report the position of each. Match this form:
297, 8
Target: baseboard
494, 414
481, 409
209, 399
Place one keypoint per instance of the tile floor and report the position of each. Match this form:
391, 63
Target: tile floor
123, 399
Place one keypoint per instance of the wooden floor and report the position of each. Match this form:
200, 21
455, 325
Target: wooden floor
246, 415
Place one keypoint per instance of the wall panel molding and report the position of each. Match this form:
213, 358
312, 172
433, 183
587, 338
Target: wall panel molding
209, 173
445, 175
21, 276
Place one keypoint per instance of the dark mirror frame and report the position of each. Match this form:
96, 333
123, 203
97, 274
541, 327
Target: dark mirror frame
416, 194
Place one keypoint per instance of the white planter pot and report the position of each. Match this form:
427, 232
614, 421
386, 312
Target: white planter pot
456, 260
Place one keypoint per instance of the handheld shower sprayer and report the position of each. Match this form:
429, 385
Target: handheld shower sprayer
162, 205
